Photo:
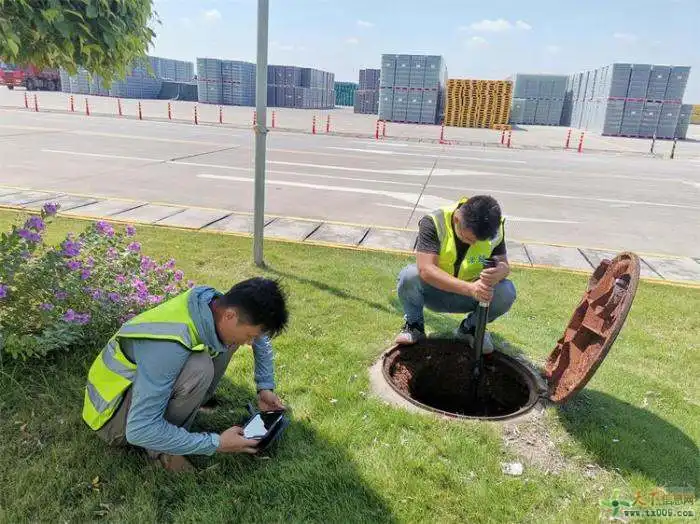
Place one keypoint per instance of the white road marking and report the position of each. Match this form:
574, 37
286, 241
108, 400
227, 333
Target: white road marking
510, 218
475, 158
99, 155
409, 197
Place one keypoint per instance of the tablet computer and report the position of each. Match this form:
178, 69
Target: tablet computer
265, 427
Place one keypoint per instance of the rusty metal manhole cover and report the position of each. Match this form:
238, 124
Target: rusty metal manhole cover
593, 327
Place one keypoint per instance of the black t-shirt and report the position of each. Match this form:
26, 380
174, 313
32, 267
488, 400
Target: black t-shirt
429, 242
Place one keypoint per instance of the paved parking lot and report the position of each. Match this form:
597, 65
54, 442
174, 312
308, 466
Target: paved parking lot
597, 200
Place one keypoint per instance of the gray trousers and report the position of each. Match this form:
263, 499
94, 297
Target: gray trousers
194, 385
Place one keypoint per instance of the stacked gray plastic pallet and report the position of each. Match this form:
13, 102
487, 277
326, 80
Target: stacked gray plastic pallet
367, 94
141, 81
684, 116
634, 100
538, 99
412, 88
300, 87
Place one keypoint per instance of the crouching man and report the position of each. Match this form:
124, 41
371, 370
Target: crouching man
148, 383
449, 275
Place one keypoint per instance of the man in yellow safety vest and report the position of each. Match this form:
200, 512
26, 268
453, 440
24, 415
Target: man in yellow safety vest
449, 275
152, 377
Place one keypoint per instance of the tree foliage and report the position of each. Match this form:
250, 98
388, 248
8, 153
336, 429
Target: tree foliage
102, 36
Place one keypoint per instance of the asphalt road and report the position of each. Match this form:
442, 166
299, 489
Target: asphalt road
615, 202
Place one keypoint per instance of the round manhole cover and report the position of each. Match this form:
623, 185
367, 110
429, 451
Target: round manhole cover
436, 374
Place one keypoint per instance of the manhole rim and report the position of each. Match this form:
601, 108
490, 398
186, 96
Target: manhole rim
531, 378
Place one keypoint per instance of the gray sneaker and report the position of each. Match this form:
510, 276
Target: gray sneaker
468, 336
410, 334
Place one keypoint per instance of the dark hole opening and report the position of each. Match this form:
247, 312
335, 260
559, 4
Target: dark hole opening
438, 374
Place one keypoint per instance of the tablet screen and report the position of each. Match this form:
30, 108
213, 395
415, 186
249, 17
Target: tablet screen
260, 424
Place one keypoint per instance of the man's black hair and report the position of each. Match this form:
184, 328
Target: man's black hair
260, 302
482, 215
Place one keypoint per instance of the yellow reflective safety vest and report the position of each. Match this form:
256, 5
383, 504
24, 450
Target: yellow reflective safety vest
112, 373
473, 263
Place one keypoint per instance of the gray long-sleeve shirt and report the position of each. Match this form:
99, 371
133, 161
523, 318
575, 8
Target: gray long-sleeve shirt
158, 364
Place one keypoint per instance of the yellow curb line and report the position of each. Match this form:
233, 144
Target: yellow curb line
333, 245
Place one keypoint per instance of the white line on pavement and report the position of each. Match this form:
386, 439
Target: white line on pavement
100, 155
475, 158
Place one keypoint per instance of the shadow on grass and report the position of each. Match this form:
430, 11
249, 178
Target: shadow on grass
306, 478
648, 445
335, 291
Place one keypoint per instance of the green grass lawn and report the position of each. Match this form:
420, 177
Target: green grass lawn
348, 457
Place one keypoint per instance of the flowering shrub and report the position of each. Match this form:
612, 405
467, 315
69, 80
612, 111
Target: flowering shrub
78, 293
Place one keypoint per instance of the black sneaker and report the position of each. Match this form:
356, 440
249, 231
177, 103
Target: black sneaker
410, 334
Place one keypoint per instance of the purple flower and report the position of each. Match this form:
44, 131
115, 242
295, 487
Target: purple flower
69, 316
147, 264
127, 317
96, 294
190, 284
114, 297
51, 208
85, 274
120, 279
61, 295
134, 247
111, 253
29, 236
130, 231
70, 248
155, 299
3, 291
90, 263
26, 255
46, 306
35, 223
73, 265
103, 228
82, 319
170, 264
178, 275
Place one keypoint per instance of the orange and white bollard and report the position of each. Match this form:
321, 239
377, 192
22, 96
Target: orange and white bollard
72, 104
510, 134
140, 112
580, 142
328, 124
170, 111
376, 131
442, 134
26, 101
313, 126
36, 103
87, 107
196, 116
568, 139
221, 115
255, 118
274, 119
503, 137
119, 106
383, 128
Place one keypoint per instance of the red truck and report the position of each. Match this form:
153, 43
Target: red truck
30, 77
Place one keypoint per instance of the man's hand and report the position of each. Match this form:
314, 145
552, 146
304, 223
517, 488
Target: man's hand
268, 401
493, 275
232, 441
481, 291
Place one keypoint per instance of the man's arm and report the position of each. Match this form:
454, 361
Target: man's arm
264, 364
493, 276
158, 365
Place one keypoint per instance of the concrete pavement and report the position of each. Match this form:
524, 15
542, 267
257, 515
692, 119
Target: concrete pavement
319, 232
609, 202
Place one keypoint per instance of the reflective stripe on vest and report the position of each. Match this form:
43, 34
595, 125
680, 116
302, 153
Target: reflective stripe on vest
112, 373
473, 263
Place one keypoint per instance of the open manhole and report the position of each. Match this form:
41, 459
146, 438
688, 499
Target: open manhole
436, 374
